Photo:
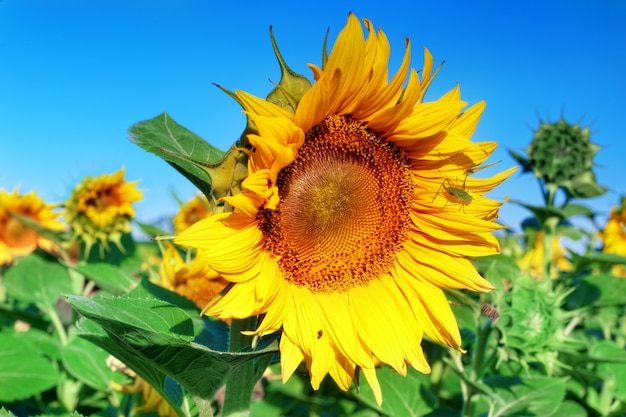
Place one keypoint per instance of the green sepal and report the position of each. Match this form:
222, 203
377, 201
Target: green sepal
584, 186
292, 86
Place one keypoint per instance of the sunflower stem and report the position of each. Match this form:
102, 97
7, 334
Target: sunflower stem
240, 383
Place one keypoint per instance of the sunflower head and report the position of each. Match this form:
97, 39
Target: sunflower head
99, 209
16, 238
191, 279
561, 154
360, 206
193, 210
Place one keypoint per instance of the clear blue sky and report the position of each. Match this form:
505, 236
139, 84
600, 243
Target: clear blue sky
74, 75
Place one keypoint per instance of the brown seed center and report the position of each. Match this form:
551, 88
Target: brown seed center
344, 208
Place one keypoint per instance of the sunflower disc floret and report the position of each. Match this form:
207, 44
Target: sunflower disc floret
343, 236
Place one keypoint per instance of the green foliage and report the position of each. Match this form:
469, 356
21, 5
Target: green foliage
23, 370
208, 168
549, 348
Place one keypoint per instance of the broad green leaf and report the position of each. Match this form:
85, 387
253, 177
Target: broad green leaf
582, 261
570, 409
93, 332
6, 413
540, 396
402, 396
23, 371
543, 213
611, 289
612, 365
156, 338
108, 277
38, 281
577, 210
87, 363
181, 148
47, 344
606, 351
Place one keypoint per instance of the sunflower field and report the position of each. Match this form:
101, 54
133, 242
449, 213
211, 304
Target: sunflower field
343, 258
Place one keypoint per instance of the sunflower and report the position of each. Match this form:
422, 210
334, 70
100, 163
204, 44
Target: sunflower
16, 239
614, 236
532, 261
193, 210
358, 209
100, 208
193, 280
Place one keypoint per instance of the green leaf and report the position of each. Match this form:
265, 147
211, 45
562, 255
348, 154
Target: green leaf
608, 289
38, 281
608, 259
570, 409
543, 213
6, 413
47, 344
151, 230
577, 210
23, 371
585, 186
87, 363
181, 148
108, 277
156, 338
402, 396
538, 395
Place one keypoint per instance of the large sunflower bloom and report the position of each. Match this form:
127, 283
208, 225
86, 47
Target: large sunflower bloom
614, 237
357, 210
100, 208
16, 239
193, 210
193, 280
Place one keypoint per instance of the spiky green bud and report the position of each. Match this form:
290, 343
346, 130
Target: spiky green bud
561, 155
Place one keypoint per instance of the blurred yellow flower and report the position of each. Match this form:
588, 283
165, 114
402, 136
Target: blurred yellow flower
197, 208
614, 237
357, 210
16, 239
151, 400
100, 209
533, 259
193, 280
